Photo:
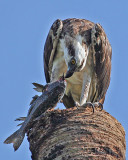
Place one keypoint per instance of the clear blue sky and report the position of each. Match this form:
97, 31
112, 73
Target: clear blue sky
24, 26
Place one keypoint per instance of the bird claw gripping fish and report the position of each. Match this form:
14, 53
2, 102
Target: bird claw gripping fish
51, 95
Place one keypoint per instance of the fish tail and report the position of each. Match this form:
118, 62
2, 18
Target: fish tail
16, 138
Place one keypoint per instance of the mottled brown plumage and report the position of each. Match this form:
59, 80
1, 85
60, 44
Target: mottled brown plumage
102, 54
74, 38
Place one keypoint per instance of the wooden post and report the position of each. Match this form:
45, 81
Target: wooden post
77, 134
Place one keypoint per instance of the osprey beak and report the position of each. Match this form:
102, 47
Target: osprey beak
70, 72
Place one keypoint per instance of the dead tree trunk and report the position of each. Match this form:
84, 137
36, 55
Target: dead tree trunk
74, 134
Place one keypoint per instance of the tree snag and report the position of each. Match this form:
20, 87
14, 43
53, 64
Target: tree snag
77, 134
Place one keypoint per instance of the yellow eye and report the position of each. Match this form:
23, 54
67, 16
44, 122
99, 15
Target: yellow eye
73, 61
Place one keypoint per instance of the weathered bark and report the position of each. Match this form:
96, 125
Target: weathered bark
74, 134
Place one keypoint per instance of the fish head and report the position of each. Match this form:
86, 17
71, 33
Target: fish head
56, 89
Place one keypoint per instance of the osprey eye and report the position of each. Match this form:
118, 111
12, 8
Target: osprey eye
73, 61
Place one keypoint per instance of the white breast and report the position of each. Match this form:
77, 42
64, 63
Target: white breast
74, 83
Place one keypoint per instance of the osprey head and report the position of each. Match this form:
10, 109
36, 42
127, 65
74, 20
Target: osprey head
75, 54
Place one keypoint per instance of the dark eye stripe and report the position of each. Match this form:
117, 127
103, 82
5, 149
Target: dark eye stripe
71, 50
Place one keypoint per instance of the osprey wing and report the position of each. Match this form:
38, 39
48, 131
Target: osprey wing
102, 53
50, 47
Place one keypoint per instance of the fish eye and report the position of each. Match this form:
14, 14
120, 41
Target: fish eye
73, 61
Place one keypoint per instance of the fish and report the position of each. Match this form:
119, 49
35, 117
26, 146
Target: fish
49, 98
38, 88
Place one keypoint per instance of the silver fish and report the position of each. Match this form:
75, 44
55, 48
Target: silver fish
52, 94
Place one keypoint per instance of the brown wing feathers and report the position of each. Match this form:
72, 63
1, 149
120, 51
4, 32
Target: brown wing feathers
102, 60
50, 47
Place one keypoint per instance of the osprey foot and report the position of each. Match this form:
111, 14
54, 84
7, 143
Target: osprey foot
77, 105
88, 104
98, 105
93, 105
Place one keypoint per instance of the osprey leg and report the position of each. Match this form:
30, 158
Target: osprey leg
85, 89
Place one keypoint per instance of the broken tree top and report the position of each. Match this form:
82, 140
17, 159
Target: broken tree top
77, 134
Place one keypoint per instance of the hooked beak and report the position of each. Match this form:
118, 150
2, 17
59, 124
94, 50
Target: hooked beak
70, 72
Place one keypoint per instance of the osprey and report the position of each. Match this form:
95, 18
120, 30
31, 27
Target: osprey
80, 49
